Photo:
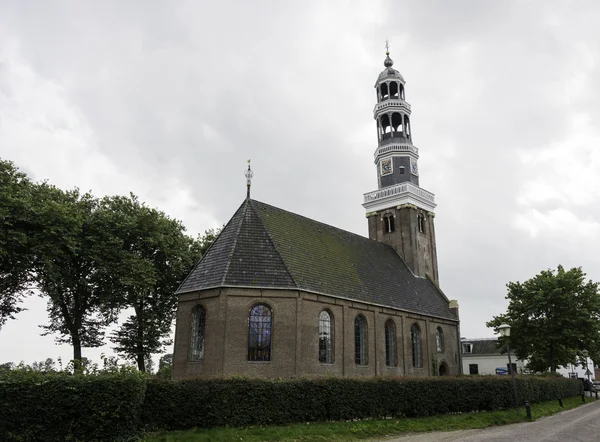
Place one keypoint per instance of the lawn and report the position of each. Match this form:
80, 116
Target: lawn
364, 429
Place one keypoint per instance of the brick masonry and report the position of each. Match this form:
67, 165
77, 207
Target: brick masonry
295, 340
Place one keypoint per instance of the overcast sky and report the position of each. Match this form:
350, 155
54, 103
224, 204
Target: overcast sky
169, 99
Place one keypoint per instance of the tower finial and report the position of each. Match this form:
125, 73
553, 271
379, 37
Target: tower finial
387, 47
249, 174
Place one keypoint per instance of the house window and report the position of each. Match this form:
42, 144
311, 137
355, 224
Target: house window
439, 340
360, 341
259, 333
421, 222
473, 369
198, 327
390, 344
415, 336
388, 223
325, 338
467, 348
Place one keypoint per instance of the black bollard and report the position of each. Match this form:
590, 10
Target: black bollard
583, 397
528, 410
596, 394
560, 402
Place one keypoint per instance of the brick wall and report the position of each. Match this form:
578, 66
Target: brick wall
295, 338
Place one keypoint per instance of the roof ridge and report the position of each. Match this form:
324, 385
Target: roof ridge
235, 240
322, 223
287, 269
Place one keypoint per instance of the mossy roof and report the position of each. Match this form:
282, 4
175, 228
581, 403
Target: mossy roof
267, 247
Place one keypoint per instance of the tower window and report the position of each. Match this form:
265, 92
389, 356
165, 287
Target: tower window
401, 170
421, 222
388, 223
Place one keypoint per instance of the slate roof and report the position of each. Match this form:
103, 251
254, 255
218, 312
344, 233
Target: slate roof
264, 246
483, 346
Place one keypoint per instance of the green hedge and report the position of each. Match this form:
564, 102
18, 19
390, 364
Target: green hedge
184, 404
59, 406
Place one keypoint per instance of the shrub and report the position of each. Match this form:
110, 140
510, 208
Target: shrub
183, 404
59, 406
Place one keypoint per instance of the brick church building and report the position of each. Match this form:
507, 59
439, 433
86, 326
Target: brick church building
281, 295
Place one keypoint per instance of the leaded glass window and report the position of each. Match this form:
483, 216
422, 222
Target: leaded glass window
259, 333
390, 344
325, 338
415, 336
439, 340
360, 341
198, 327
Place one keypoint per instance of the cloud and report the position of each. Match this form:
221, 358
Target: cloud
170, 100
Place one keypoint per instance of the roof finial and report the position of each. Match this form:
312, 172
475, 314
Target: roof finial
388, 62
249, 174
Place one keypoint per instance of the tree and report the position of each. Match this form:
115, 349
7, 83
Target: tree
165, 366
155, 257
553, 317
75, 258
16, 255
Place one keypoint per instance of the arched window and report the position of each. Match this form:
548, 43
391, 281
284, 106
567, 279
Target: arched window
360, 341
325, 338
198, 327
415, 337
390, 344
388, 223
259, 333
439, 340
421, 222
384, 91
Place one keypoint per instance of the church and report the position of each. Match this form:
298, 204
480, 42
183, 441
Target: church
279, 295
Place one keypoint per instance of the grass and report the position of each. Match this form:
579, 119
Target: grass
364, 429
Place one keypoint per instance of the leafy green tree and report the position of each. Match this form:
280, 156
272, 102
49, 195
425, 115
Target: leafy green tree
75, 261
165, 366
16, 254
553, 317
155, 257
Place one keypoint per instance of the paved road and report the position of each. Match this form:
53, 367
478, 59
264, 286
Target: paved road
579, 424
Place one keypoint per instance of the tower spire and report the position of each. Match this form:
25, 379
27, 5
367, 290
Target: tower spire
249, 174
400, 212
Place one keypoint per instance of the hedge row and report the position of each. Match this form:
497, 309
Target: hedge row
37, 407
171, 405
59, 406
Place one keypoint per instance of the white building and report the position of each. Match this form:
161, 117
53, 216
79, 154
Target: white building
482, 356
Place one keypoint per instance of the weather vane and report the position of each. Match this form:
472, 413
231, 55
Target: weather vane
249, 174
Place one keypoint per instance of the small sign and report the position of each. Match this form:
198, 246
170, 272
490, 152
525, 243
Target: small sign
501, 371
573, 375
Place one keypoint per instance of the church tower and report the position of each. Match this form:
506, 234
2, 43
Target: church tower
400, 213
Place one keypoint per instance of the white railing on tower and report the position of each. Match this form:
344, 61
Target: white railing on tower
392, 103
396, 148
408, 188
